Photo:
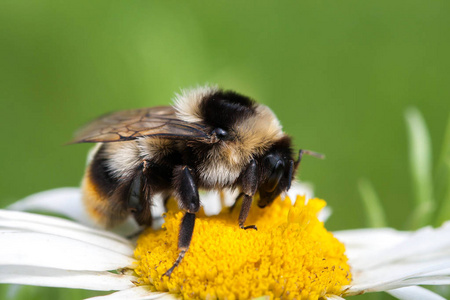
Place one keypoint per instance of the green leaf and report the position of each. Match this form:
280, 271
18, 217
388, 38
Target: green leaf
444, 210
376, 216
420, 163
29, 292
443, 179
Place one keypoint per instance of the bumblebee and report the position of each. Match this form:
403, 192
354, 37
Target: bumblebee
208, 139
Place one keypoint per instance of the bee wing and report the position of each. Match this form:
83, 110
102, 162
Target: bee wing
129, 125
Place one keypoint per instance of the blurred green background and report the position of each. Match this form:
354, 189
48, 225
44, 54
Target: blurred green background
339, 75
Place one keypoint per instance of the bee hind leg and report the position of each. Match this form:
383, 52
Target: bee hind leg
187, 194
249, 186
139, 199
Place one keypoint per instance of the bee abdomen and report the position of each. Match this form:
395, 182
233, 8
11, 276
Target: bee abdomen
98, 188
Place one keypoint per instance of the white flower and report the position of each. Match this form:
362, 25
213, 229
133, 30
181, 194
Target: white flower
50, 251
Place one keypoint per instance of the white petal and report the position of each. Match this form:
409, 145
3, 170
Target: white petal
382, 259
324, 214
333, 297
86, 235
300, 188
397, 276
416, 246
136, 293
415, 293
426, 280
401, 271
169, 296
440, 272
40, 223
371, 237
359, 242
45, 250
66, 202
211, 201
99, 281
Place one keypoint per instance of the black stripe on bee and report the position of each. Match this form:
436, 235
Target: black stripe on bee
225, 108
100, 174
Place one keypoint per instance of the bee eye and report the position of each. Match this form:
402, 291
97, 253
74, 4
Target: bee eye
220, 133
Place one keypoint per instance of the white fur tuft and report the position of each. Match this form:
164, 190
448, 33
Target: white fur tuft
187, 102
123, 158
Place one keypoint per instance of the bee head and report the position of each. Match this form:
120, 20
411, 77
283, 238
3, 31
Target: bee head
277, 170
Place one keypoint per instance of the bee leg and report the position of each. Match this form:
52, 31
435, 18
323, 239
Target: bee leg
249, 186
187, 192
139, 199
184, 239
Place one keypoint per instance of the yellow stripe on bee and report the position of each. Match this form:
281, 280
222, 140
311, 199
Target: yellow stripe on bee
100, 208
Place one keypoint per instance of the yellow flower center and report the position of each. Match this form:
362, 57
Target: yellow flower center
290, 256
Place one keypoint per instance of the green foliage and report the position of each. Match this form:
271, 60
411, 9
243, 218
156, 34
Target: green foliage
337, 74
18, 292
376, 216
426, 211
420, 160
443, 179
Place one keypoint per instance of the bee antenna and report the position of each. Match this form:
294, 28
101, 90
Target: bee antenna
308, 152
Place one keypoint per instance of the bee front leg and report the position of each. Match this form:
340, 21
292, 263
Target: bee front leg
187, 194
249, 186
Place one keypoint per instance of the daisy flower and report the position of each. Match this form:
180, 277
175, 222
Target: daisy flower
291, 256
